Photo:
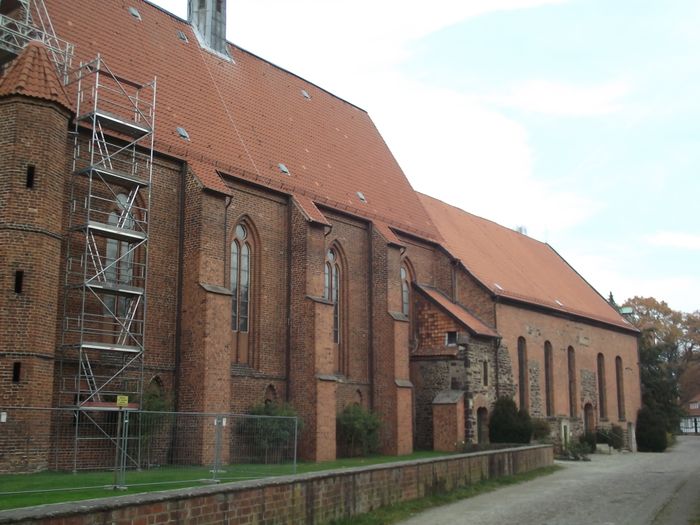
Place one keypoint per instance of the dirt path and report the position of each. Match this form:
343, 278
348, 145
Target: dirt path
633, 489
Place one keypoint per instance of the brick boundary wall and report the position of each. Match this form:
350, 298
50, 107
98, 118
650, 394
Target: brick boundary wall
307, 498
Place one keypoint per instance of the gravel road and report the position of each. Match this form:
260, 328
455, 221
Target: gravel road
622, 488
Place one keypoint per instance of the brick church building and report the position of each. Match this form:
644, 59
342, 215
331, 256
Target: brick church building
178, 213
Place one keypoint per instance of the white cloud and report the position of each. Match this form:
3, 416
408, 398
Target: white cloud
613, 268
564, 100
680, 240
456, 149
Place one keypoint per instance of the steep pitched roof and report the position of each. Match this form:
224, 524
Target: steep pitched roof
515, 266
247, 116
458, 312
32, 74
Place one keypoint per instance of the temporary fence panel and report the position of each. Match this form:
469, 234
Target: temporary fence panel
123, 448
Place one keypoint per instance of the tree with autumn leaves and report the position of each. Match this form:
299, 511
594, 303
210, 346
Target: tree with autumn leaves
669, 354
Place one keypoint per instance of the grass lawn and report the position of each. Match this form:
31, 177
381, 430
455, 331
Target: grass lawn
55, 487
405, 510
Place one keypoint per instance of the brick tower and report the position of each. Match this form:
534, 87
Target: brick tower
34, 114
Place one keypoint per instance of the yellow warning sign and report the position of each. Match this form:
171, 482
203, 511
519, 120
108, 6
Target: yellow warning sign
122, 401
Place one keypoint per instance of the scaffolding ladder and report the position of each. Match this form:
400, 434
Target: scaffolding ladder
104, 319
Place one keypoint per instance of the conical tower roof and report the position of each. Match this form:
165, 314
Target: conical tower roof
33, 74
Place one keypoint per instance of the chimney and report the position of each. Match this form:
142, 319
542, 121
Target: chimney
208, 17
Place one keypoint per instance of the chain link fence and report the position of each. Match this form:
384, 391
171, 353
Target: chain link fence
69, 449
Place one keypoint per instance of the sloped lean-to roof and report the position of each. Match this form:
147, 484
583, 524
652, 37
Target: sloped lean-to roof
246, 117
458, 312
514, 266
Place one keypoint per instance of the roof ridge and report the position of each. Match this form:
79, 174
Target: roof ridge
485, 219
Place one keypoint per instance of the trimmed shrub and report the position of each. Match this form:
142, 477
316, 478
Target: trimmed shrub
651, 431
540, 429
613, 436
589, 441
357, 431
618, 437
269, 439
507, 424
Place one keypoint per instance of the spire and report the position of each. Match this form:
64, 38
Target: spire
33, 74
208, 17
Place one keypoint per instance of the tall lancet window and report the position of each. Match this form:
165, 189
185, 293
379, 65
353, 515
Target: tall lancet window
240, 279
405, 292
241, 276
332, 289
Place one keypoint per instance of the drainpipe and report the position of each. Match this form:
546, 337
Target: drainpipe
288, 349
180, 273
228, 203
371, 364
178, 306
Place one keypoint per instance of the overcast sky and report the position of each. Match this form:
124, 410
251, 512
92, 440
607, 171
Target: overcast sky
577, 119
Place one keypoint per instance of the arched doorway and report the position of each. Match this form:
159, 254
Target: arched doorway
482, 426
588, 418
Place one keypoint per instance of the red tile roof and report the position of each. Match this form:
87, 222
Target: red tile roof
515, 266
458, 312
246, 117
32, 74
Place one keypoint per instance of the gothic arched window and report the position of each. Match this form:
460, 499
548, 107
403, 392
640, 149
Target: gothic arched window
602, 392
240, 279
332, 291
241, 283
523, 379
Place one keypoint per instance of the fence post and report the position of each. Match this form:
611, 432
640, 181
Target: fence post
117, 444
296, 431
124, 450
219, 422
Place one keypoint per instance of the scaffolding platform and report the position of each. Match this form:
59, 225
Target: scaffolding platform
114, 177
109, 231
106, 347
111, 121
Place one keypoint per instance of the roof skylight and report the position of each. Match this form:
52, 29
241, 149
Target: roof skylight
305, 94
183, 133
362, 197
498, 286
135, 13
182, 36
558, 302
283, 168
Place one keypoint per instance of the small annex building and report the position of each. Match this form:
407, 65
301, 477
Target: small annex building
178, 213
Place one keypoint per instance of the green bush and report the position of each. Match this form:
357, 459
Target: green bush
589, 441
651, 431
540, 429
270, 439
507, 424
618, 437
613, 436
357, 431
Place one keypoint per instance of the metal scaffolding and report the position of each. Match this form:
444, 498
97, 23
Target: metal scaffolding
102, 346
22, 21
